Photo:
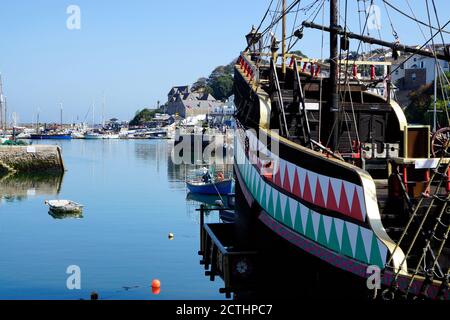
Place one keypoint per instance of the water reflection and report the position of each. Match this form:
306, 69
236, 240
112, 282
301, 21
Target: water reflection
209, 200
119, 183
189, 169
63, 216
149, 150
19, 187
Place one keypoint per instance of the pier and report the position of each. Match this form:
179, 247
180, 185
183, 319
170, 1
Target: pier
31, 159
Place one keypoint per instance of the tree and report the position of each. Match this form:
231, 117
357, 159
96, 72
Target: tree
416, 112
219, 83
299, 53
143, 116
422, 104
201, 85
222, 86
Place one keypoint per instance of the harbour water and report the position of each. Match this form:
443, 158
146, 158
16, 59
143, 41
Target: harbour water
134, 196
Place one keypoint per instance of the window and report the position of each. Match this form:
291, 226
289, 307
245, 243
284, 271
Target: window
421, 64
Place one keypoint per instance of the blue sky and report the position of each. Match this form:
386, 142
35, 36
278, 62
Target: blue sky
133, 51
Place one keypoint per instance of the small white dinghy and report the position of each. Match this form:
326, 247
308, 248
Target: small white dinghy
64, 206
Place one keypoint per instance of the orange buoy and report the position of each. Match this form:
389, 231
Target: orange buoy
156, 284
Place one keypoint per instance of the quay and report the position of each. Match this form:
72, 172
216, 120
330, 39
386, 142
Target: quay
31, 159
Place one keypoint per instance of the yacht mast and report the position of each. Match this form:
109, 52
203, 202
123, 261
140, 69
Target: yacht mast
93, 115
103, 109
61, 114
1, 102
37, 120
6, 113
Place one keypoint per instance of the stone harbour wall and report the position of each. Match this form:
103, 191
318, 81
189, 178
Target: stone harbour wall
31, 159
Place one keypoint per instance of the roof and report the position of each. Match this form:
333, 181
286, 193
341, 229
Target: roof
179, 89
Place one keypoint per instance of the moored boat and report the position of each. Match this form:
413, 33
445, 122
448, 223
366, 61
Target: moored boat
77, 135
224, 187
93, 136
64, 207
51, 136
111, 136
158, 134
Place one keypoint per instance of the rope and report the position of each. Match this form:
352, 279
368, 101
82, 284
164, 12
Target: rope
442, 73
410, 17
427, 246
436, 61
262, 21
412, 218
412, 55
314, 15
293, 25
394, 33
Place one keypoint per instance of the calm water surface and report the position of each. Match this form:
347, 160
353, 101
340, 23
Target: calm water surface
134, 196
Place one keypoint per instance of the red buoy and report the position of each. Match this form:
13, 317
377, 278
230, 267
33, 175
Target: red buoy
156, 284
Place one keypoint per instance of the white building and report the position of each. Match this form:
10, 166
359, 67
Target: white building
416, 71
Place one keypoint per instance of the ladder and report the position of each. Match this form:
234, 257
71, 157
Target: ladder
426, 233
280, 103
298, 91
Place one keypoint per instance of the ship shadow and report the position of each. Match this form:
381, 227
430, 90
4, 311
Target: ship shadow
285, 272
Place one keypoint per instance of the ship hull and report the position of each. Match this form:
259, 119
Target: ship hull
325, 214
93, 137
51, 137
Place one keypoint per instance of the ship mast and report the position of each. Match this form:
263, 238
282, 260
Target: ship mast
283, 46
334, 97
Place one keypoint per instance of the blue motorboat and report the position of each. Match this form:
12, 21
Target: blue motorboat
223, 187
51, 136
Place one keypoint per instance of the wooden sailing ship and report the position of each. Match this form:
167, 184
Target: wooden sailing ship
336, 170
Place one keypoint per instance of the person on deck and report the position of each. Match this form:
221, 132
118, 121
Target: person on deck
206, 178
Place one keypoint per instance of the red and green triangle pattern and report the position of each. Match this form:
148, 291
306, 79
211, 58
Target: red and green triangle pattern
335, 234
